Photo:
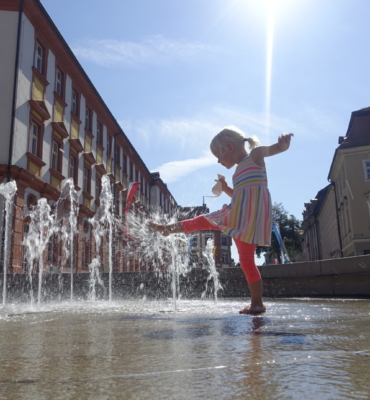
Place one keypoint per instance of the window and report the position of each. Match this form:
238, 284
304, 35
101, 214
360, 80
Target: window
116, 202
74, 249
85, 255
59, 79
194, 241
131, 172
73, 168
88, 119
34, 139
25, 264
53, 250
75, 103
124, 162
367, 169
55, 156
39, 62
50, 249
224, 240
97, 187
206, 239
109, 144
86, 184
99, 133
225, 258
117, 155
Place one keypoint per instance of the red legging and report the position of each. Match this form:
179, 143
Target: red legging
245, 250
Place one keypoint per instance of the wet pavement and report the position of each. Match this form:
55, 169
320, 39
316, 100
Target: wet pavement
300, 348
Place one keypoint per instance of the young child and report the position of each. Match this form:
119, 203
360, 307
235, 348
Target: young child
248, 218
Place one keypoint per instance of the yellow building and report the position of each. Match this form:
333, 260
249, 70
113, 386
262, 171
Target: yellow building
337, 222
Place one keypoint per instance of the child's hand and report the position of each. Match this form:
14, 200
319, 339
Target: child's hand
224, 183
284, 141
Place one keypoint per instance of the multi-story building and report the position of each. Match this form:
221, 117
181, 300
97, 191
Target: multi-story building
198, 243
344, 219
321, 239
350, 174
54, 125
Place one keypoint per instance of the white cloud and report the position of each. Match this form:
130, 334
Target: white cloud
178, 145
175, 170
197, 132
151, 50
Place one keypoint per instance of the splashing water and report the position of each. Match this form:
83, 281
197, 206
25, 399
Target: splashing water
102, 223
94, 279
157, 251
66, 215
211, 267
8, 191
40, 230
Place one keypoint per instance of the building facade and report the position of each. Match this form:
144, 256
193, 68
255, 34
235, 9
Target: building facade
350, 174
337, 223
198, 242
320, 228
54, 125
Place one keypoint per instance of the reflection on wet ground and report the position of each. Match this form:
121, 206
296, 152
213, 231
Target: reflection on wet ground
144, 350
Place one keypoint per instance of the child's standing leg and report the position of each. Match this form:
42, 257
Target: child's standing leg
248, 265
246, 257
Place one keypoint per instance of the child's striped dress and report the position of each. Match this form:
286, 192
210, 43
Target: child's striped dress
249, 215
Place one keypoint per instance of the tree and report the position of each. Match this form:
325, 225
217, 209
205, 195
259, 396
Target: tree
290, 229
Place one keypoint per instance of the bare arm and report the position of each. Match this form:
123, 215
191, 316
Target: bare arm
259, 153
226, 188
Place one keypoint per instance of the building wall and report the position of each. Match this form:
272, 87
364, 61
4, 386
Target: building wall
328, 228
8, 44
35, 176
352, 188
358, 206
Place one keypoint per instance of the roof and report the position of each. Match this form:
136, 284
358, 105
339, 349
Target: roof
318, 201
357, 135
191, 212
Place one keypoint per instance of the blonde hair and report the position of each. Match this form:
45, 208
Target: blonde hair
231, 134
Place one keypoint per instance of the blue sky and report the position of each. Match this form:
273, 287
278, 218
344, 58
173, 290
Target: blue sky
174, 73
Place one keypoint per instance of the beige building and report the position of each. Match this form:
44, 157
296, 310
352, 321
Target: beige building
329, 244
337, 222
350, 175
321, 239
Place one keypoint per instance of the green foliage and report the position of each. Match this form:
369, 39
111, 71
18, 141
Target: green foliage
290, 228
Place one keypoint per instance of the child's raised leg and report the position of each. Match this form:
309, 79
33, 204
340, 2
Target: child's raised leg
248, 265
189, 225
165, 230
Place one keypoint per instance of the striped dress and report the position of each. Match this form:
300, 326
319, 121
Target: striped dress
249, 215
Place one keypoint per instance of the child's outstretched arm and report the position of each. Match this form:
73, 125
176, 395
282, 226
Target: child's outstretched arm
259, 153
